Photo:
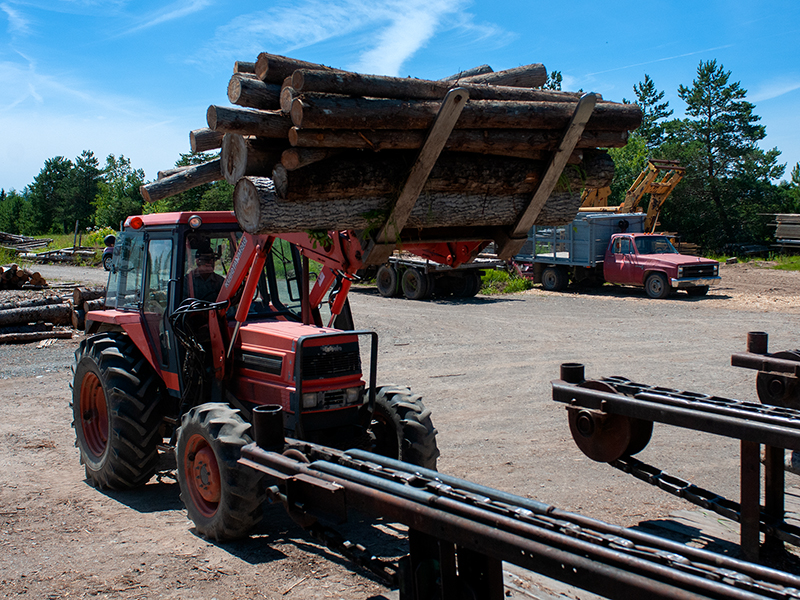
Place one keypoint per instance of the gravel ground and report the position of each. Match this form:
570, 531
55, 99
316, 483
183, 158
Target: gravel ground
483, 367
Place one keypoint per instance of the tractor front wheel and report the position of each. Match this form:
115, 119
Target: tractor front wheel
402, 428
117, 410
223, 498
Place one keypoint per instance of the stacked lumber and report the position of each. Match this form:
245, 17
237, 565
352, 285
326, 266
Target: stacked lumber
12, 277
22, 243
787, 228
312, 147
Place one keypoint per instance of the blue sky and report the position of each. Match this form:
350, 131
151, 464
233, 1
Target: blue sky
134, 78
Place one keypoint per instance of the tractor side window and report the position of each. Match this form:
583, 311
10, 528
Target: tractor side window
285, 273
125, 280
208, 259
159, 266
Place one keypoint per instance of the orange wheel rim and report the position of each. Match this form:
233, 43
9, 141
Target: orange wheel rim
202, 475
94, 414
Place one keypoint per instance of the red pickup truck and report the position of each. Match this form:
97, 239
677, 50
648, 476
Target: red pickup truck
612, 248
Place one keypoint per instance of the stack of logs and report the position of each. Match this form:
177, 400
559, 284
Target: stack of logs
13, 278
320, 148
46, 317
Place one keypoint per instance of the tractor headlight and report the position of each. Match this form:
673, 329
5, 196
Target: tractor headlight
309, 399
353, 395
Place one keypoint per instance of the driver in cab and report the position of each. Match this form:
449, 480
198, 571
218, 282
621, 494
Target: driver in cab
202, 282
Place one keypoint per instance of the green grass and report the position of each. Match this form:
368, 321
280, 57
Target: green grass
497, 281
787, 263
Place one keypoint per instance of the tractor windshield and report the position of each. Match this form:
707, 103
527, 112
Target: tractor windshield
654, 244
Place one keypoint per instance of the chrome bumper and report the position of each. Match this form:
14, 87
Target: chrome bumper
687, 282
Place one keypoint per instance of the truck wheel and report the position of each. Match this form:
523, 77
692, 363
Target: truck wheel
386, 280
554, 279
223, 499
117, 411
656, 286
415, 284
467, 284
700, 290
402, 427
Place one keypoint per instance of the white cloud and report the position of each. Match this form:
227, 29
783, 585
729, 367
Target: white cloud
17, 23
177, 10
773, 89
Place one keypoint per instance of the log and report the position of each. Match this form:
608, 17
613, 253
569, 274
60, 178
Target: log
205, 139
261, 123
32, 302
353, 176
296, 158
58, 314
372, 113
407, 88
273, 68
253, 93
35, 336
169, 172
501, 142
187, 179
97, 304
259, 210
79, 319
244, 67
533, 75
248, 156
479, 70
80, 295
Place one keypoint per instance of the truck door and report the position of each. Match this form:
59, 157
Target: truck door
620, 265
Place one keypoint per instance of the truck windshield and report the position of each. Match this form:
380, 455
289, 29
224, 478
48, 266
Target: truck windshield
654, 244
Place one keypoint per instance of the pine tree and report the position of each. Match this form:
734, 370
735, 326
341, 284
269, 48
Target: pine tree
653, 111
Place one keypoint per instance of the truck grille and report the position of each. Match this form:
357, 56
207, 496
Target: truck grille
699, 270
332, 360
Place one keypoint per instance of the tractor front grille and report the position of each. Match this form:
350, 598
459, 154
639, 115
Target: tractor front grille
331, 360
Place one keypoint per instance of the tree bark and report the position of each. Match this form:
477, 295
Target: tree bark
533, 75
406, 88
248, 156
502, 142
479, 70
31, 302
244, 67
57, 314
35, 336
80, 295
170, 172
261, 123
295, 158
371, 113
253, 93
203, 140
187, 179
274, 68
354, 175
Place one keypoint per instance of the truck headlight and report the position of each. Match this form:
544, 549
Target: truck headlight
680, 272
353, 395
716, 269
309, 399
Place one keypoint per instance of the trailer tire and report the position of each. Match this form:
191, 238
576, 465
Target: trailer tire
402, 428
386, 280
117, 409
656, 286
224, 500
700, 290
415, 284
554, 279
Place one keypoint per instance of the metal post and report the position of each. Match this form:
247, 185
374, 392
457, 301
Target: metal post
774, 482
750, 489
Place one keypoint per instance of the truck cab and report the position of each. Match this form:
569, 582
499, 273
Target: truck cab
652, 262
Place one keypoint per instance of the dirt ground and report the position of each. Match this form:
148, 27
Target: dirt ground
483, 366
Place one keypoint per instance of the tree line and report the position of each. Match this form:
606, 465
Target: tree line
728, 193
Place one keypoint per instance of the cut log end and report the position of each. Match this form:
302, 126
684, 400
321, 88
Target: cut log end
247, 204
233, 158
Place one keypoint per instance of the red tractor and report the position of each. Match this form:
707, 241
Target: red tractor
204, 323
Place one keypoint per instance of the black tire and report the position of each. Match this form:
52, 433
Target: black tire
656, 286
554, 279
107, 262
402, 427
386, 280
466, 283
415, 284
700, 290
224, 499
117, 409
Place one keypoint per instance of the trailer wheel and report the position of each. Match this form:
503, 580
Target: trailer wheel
656, 286
467, 284
386, 280
554, 279
402, 428
700, 290
223, 499
415, 284
117, 410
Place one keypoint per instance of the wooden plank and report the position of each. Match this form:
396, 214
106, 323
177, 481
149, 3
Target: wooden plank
572, 134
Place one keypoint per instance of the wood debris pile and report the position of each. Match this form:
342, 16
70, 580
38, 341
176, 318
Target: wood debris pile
310, 147
12, 277
21, 243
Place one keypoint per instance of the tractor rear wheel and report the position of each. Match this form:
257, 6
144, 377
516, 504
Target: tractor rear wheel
117, 409
223, 498
402, 427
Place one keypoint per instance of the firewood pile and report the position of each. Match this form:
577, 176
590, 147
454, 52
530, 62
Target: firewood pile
310, 147
12, 277
50, 315
22, 243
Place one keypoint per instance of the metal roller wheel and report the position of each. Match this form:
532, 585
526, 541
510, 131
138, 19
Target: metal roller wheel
777, 389
605, 437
